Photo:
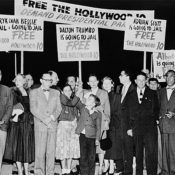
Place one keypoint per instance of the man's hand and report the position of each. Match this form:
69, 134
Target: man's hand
170, 114
97, 142
129, 132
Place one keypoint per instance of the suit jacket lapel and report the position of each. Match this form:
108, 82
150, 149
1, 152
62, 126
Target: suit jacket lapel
131, 88
50, 95
98, 93
0, 90
42, 95
144, 95
172, 95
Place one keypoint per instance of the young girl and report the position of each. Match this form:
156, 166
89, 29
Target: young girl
89, 129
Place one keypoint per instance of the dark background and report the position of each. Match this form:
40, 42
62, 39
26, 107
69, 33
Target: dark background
112, 56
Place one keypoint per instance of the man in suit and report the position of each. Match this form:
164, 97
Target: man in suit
6, 107
45, 106
104, 108
127, 141
167, 124
143, 113
153, 84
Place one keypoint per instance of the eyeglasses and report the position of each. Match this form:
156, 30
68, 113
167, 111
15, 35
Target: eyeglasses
48, 80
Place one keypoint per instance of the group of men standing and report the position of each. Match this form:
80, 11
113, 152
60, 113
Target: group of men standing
141, 110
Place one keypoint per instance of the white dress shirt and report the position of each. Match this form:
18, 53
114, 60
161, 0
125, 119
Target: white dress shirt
169, 91
46, 93
125, 90
140, 93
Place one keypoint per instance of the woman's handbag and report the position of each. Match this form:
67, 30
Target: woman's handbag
105, 143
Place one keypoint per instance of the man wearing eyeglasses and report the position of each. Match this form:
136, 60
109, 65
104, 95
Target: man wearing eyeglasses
45, 106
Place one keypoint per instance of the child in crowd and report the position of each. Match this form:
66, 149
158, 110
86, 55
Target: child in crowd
89, 129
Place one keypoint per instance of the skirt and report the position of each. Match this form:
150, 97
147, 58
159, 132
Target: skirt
67, 144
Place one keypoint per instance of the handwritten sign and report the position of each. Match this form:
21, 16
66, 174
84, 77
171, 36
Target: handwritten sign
77, 43
145, 34
67, 13
20, 33
162, 62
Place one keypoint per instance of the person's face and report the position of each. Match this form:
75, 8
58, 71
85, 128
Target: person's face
170, 79
29, 81
93, 82
153, 85
19, 81
107, 85
140, 81
71, 82
67, 91
46, 81
123, 77
90, 102
54, 79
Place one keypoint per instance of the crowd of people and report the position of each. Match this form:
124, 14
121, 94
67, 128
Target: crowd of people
45, 123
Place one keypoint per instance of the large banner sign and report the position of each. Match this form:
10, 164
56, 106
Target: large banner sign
77, 43
162, 62
67, 13
145, 34
20, 33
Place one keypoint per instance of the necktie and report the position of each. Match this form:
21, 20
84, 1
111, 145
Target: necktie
46, 90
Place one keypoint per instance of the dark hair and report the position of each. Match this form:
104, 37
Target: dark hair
141, 73
50, 72
68, 85
153, 79
128, 72
92, 75
169, 71
96, 99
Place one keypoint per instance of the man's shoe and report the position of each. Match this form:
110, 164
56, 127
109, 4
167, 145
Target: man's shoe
32, 171
14, 172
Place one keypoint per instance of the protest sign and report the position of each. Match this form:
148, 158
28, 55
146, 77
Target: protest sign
20, 33
77, 43
145, 34
67, 13
162, 62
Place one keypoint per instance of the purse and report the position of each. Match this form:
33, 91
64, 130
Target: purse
105, 143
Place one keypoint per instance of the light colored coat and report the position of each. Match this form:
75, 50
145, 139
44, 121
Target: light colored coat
45, 137
42, 108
